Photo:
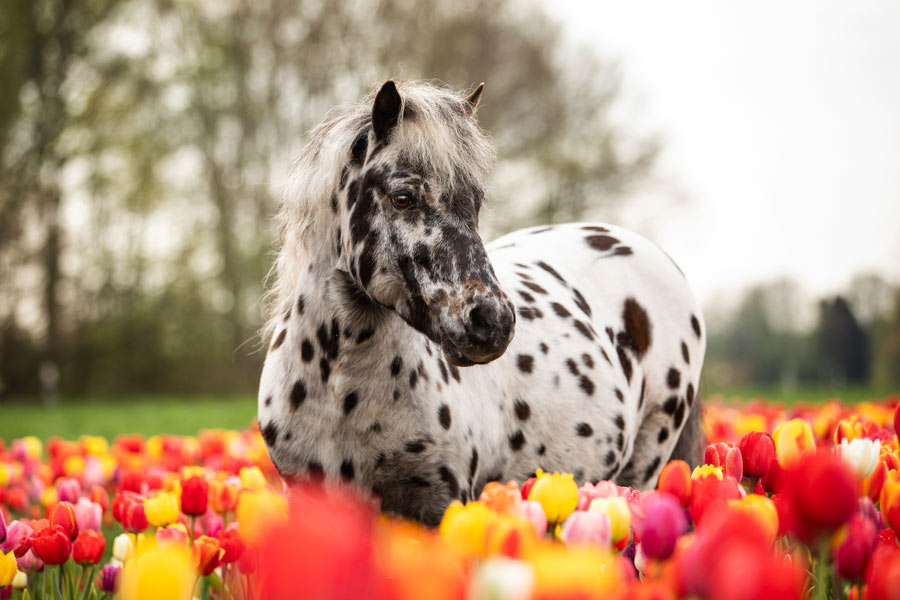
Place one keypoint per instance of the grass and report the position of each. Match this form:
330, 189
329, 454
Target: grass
111, 417
803, 394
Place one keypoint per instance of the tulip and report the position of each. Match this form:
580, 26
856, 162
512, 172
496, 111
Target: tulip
20, 581
100, 496
230, 540
861, 454
793, 440
206, 554
820, 494
502, 578
557, 493
462, 527
526, 487
52, 545
890, 500
123, 547
162, 509
508, 535
194, 496
852, 555
173, 534
160, 572
109, 579
120, 501
8, 569
758, 453
18, 538
883, 573
711, 490
135, 516
88, 547
662, 523
533, 512
223, 495
586, 527
501, 498
619, 515
63, 514
259, 511
675, 479
2, 527
68, 489
762, 509
252, 478
30, 562
88, 514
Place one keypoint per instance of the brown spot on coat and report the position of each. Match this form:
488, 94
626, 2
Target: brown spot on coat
637, 327
601, 243
278, 340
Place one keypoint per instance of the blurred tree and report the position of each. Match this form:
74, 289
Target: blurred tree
842, 344
886, 365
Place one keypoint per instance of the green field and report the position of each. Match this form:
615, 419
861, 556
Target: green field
188, 415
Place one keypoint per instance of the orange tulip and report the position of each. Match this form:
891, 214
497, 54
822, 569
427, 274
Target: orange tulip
63, 514
793, 440
675, 478
890, 500
206, 554
223, 495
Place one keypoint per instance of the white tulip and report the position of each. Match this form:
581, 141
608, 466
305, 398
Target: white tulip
502, 579
861, 454
20, 581
123, 547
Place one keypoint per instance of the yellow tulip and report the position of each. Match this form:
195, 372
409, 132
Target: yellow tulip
706, 470
616, 508
573, 572
509, 535
33, 446
557, 494
73, 466
258, 511
94, 444
760, 508
49, 496
793, 440
160, 573
4, 475
162, 509
8, 569
463, 527
252, 478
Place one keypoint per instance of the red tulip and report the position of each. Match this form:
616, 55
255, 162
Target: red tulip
675, 479
758, 453
897, 421
727, 457
206, 554
88, 547
135, 517
194, 496
819, 494
248, 561
709, 491
99, 495
231, 542
120, 501
526, 487
63, 514
883, 574
52, 545
852, 555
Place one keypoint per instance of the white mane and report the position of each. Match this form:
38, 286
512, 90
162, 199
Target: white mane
433, 131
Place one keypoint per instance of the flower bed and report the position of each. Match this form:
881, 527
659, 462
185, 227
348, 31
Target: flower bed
790, 503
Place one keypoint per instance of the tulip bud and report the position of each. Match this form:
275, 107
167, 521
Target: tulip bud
758, 453
206, 555
616, 509
533, 512
173, 534
526, 487
123, 547
68, 489
793, 440
52, 545
663, 522
31, 562
18, 538
810, 510
230, 540
734, 464
675, 479
135, 517
109, 579
162, 509
586, 527
20, 581
88, 547
852, 555
890, 500
88, 514
194, 496
223, 495
557, 493
861, 454
8, 569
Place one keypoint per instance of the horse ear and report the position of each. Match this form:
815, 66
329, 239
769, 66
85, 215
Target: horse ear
473, 98
386, 110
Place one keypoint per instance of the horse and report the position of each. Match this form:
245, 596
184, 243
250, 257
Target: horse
412, 362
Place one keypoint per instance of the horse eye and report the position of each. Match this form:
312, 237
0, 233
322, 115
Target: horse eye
401, 200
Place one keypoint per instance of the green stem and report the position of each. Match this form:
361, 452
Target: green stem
89, 582
191, 530
821, 591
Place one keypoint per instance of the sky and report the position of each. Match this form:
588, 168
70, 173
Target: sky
780, 124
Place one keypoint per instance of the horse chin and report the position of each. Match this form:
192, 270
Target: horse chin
468, 357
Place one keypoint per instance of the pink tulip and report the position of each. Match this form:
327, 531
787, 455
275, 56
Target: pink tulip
213, 523
586, 527
662, 522
173, 534
533, 512
18, 538
68, 489
852, 556
88, 514
2, 527
29, 562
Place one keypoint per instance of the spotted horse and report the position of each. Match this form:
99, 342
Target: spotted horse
411, 361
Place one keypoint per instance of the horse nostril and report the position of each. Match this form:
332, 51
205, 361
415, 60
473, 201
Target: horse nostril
481, 320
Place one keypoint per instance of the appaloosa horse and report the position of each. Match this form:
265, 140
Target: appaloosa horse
409, 360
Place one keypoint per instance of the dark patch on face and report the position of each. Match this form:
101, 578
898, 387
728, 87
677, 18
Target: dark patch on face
495, 477
651, 469
596, 228
551, 270
620, 421
601, 243
444, 416
541, 450
454, 373
316, 472
417, 481
583, 329
523, 411
418, 313
300, 304
534, 287
415, 447
443, 370
329, 340
587, 360
586, 385
347, 470
268, 401
638, 329
623, 251
350, 402
584, 430
625, 362
396, 394
298, 394
375, 427
560, 310
359, 147
673, 378
396, 365
544, 348
364, 335
526, 296
670, 404
413, 378
679, 415
573, 367
473, 464
278, 340
367, 263
690, 394
324, 369
525, 362
620, 441
684, 353
517, 440
610, 458
306, 350
695, 325
449, 478
663, 435
530, 313
334, 203
270, 434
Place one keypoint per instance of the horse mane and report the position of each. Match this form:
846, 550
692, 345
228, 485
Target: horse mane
434, 131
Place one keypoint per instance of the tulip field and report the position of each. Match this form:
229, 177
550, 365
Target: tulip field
798, 502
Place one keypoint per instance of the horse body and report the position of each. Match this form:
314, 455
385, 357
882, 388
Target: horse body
403, 377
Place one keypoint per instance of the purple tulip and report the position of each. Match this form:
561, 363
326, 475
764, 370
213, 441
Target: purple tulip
2, 527
109, 579
68, 489
852, 556
662, 524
